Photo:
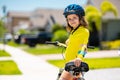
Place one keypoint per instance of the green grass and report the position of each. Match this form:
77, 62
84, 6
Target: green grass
47, 49
39, 49
43, 49
98, 63
94, 63
3, 53
8, 68
95, 49
12, 43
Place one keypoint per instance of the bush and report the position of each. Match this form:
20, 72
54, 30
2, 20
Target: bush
12, 43
111, 44
57, 27
60, 35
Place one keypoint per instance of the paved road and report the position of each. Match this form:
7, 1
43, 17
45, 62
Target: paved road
36, 68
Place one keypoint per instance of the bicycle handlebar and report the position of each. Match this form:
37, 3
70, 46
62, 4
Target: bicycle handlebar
70, 67
57, 43
91, 47
54, 43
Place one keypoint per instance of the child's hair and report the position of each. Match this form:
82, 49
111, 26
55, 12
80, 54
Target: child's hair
83, 22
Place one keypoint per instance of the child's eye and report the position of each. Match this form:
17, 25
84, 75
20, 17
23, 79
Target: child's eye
71, 19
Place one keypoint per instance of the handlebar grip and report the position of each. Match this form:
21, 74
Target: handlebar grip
57, 43
91, 47
48, 42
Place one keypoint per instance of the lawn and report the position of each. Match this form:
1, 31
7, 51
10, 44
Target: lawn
3, 53
43, 49
47, 49
8, 68
39, 49
94, 63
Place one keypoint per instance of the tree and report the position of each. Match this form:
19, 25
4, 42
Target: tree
2, 29
94, 17
23, 31
107, 6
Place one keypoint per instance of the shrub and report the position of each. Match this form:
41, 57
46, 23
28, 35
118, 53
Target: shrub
60, 35
111, 44
56, 27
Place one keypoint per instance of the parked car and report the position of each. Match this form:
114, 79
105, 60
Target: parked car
33, 39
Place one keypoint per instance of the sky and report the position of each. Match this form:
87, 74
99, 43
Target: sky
31, 5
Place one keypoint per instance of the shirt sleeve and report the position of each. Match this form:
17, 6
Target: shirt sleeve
83, 45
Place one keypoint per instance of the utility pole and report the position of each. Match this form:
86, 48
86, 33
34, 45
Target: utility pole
4, 17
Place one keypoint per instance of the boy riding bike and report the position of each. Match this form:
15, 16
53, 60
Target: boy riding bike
78, 38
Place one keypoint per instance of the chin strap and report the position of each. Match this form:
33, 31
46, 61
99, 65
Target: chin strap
75, 29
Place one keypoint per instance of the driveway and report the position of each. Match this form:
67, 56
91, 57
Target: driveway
36, 68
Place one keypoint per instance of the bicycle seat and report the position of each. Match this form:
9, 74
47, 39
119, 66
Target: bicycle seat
70, 67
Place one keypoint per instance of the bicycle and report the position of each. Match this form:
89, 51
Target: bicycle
70, 67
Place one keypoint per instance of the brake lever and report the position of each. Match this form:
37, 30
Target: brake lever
60, 44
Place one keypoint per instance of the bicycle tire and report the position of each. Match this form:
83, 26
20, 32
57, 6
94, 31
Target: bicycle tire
80, 79
60, 72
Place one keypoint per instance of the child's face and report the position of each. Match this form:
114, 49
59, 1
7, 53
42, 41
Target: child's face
73, 20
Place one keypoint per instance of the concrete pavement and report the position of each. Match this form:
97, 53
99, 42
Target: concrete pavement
96, 54
32, 67
103, 74
36, 68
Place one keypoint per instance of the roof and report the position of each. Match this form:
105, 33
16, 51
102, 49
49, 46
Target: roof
19, 14
41, 16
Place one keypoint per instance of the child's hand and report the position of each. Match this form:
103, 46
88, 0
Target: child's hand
77, 62
66, 42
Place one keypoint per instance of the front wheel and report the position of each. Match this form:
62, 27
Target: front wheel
80, 79
60, 72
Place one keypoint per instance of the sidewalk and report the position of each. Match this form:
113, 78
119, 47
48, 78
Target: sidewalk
32, 67
103, 74
36, 68
96, 54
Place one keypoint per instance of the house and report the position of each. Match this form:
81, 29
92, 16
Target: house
16, 20
39, 19
43, 19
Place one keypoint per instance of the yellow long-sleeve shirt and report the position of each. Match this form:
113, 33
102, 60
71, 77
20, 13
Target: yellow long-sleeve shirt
76, 44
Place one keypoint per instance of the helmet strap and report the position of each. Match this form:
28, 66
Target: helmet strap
76, 28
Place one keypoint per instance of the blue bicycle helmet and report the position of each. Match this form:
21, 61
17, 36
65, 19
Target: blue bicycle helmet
74, 9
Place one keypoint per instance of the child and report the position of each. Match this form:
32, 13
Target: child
78, 39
